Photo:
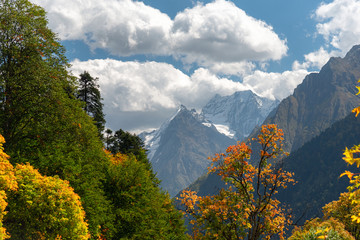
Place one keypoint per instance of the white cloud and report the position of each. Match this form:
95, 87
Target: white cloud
150, 88
146, 93
215, 33
339, 23
339, 26
316, 59
221, 32
122, 27
275, 85
237, 68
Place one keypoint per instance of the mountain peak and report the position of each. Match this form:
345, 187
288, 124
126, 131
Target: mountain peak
354, 52
238, 114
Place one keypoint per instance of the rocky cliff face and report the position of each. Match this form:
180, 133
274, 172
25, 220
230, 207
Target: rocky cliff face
320, 100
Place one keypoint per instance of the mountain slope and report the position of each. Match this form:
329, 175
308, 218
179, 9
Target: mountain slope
184, 144
317, 166
238, 114
320, 100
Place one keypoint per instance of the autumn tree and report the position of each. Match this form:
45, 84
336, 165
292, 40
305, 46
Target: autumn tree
7, 183
44, 208
88, 92
344, 209
247, 209
37, 207
329, 229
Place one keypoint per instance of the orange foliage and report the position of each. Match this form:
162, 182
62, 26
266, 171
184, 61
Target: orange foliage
247, 207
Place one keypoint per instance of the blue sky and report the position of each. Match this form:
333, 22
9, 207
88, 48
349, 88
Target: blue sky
151, 56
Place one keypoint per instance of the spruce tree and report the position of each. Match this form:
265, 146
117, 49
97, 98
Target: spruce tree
89, 93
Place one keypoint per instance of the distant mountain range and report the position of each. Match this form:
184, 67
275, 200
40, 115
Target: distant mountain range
180, 148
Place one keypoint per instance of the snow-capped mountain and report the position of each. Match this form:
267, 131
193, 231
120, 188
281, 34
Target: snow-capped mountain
152, 139
179, 149
238, 114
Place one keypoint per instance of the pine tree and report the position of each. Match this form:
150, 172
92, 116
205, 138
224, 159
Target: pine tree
89, 93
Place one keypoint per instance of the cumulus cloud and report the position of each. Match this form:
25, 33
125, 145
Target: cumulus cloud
215, 33
274, 85
221, 32
151, 88
339, 23
316, 59
145, 93
122, 27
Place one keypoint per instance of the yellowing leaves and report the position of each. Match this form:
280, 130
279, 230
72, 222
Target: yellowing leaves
48, 205
350, 155
348, 174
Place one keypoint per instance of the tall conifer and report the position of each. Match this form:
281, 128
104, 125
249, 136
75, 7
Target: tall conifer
89, 93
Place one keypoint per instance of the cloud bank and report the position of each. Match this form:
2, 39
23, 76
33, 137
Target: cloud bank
138, 93
211, 35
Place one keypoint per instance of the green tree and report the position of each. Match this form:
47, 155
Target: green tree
247, 209
125, 142
142, 210
89, 93
43, 122
32, 69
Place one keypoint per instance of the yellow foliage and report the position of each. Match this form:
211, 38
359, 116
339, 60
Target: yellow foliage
48, 205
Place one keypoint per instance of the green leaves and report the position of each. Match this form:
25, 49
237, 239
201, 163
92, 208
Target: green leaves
141, 210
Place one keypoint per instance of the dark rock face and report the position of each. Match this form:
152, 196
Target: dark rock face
320, 100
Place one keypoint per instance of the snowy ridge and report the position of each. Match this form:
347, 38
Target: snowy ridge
235, 116
152, 139
238, 114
